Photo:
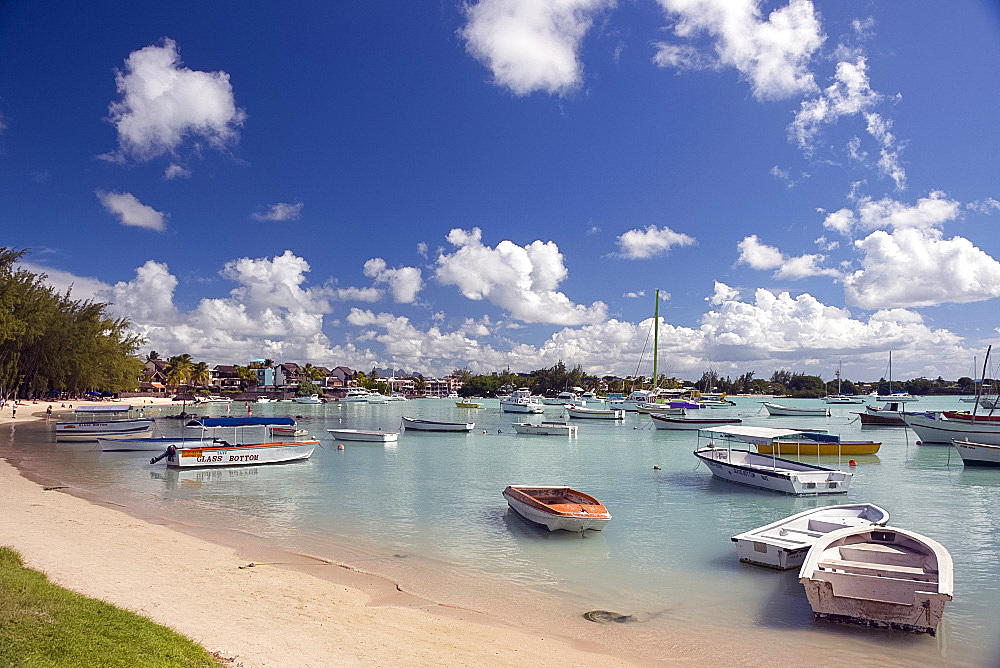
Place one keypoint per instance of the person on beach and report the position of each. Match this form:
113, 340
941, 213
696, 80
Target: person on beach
13, 409
48, 412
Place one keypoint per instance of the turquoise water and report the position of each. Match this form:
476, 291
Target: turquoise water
428, 512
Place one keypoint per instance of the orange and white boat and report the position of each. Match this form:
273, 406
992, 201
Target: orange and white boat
557, 507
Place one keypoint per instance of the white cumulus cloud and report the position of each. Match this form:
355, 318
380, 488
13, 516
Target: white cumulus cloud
163, 103
650, 242
405, 282
531, 45
175, 171
521, 279
772, 53
758, 255
131, 212
929, 212
916, 266
279, 212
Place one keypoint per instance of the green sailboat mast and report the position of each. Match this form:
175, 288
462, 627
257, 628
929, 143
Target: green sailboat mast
656, 336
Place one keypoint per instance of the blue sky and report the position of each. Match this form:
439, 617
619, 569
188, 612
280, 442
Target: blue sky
435, 185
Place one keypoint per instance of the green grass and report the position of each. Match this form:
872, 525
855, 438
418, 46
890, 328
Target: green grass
45, 625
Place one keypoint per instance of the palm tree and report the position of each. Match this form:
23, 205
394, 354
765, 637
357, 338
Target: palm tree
179, 369
200, 374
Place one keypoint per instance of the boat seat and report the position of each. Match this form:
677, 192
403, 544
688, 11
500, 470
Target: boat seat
880, 570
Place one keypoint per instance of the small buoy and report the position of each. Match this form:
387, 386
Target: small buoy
635, 427
656, 468
340, 446
852, 463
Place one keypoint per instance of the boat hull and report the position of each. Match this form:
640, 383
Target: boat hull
240, 455
519, 407
823, 449
794, 411
429, 425
595, 413
978, 454
92, 431
773, 474
672, 423
366, 435
932, 429
546, 429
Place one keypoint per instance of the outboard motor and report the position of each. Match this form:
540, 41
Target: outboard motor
168, 452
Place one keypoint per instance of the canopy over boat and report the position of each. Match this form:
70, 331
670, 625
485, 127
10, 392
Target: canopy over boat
247, 421
752, 435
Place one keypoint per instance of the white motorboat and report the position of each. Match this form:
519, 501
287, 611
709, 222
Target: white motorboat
264, 400
662, 409
213, 399
879, 576
89, 426
288, 432
584, 413
212, 451
783, 544
395, 396
377, 398
796, 411
521, 401
684, 423
589, 397
889, 415
772, 473
367, 435
563, 398
546, 428
356, 395
557, 507
978, 454
630, 404
840, 399
309, 399
940, 428
435, 425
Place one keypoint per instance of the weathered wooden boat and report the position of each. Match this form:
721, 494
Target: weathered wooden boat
811, 443
879, 576
367, 435
772, 473
678, 423
978, 454
582, 412
796, 411
435, 425
936, 428
783, 544
89, 427
546, 428
557, 507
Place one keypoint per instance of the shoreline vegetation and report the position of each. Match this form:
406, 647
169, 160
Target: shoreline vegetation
42, 624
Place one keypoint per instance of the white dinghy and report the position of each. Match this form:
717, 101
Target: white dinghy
783, 544
796, 411
769, 472
879, 576
434, 425
977, 454
546, 428
582, 412
366, 435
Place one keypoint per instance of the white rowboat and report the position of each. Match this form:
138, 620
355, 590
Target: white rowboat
796, 411
679, 423
546, 429
583, 412
433, 425
367, 435
978, 454
783, 544
557, 507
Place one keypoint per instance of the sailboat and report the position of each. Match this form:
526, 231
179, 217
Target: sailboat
842, 398
643, 398
894, 396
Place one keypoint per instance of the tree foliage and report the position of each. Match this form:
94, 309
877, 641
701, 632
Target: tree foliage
51, 342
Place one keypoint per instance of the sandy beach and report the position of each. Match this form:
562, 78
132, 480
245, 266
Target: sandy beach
250, 615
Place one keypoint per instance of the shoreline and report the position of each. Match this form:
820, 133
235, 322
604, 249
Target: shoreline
210, 593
